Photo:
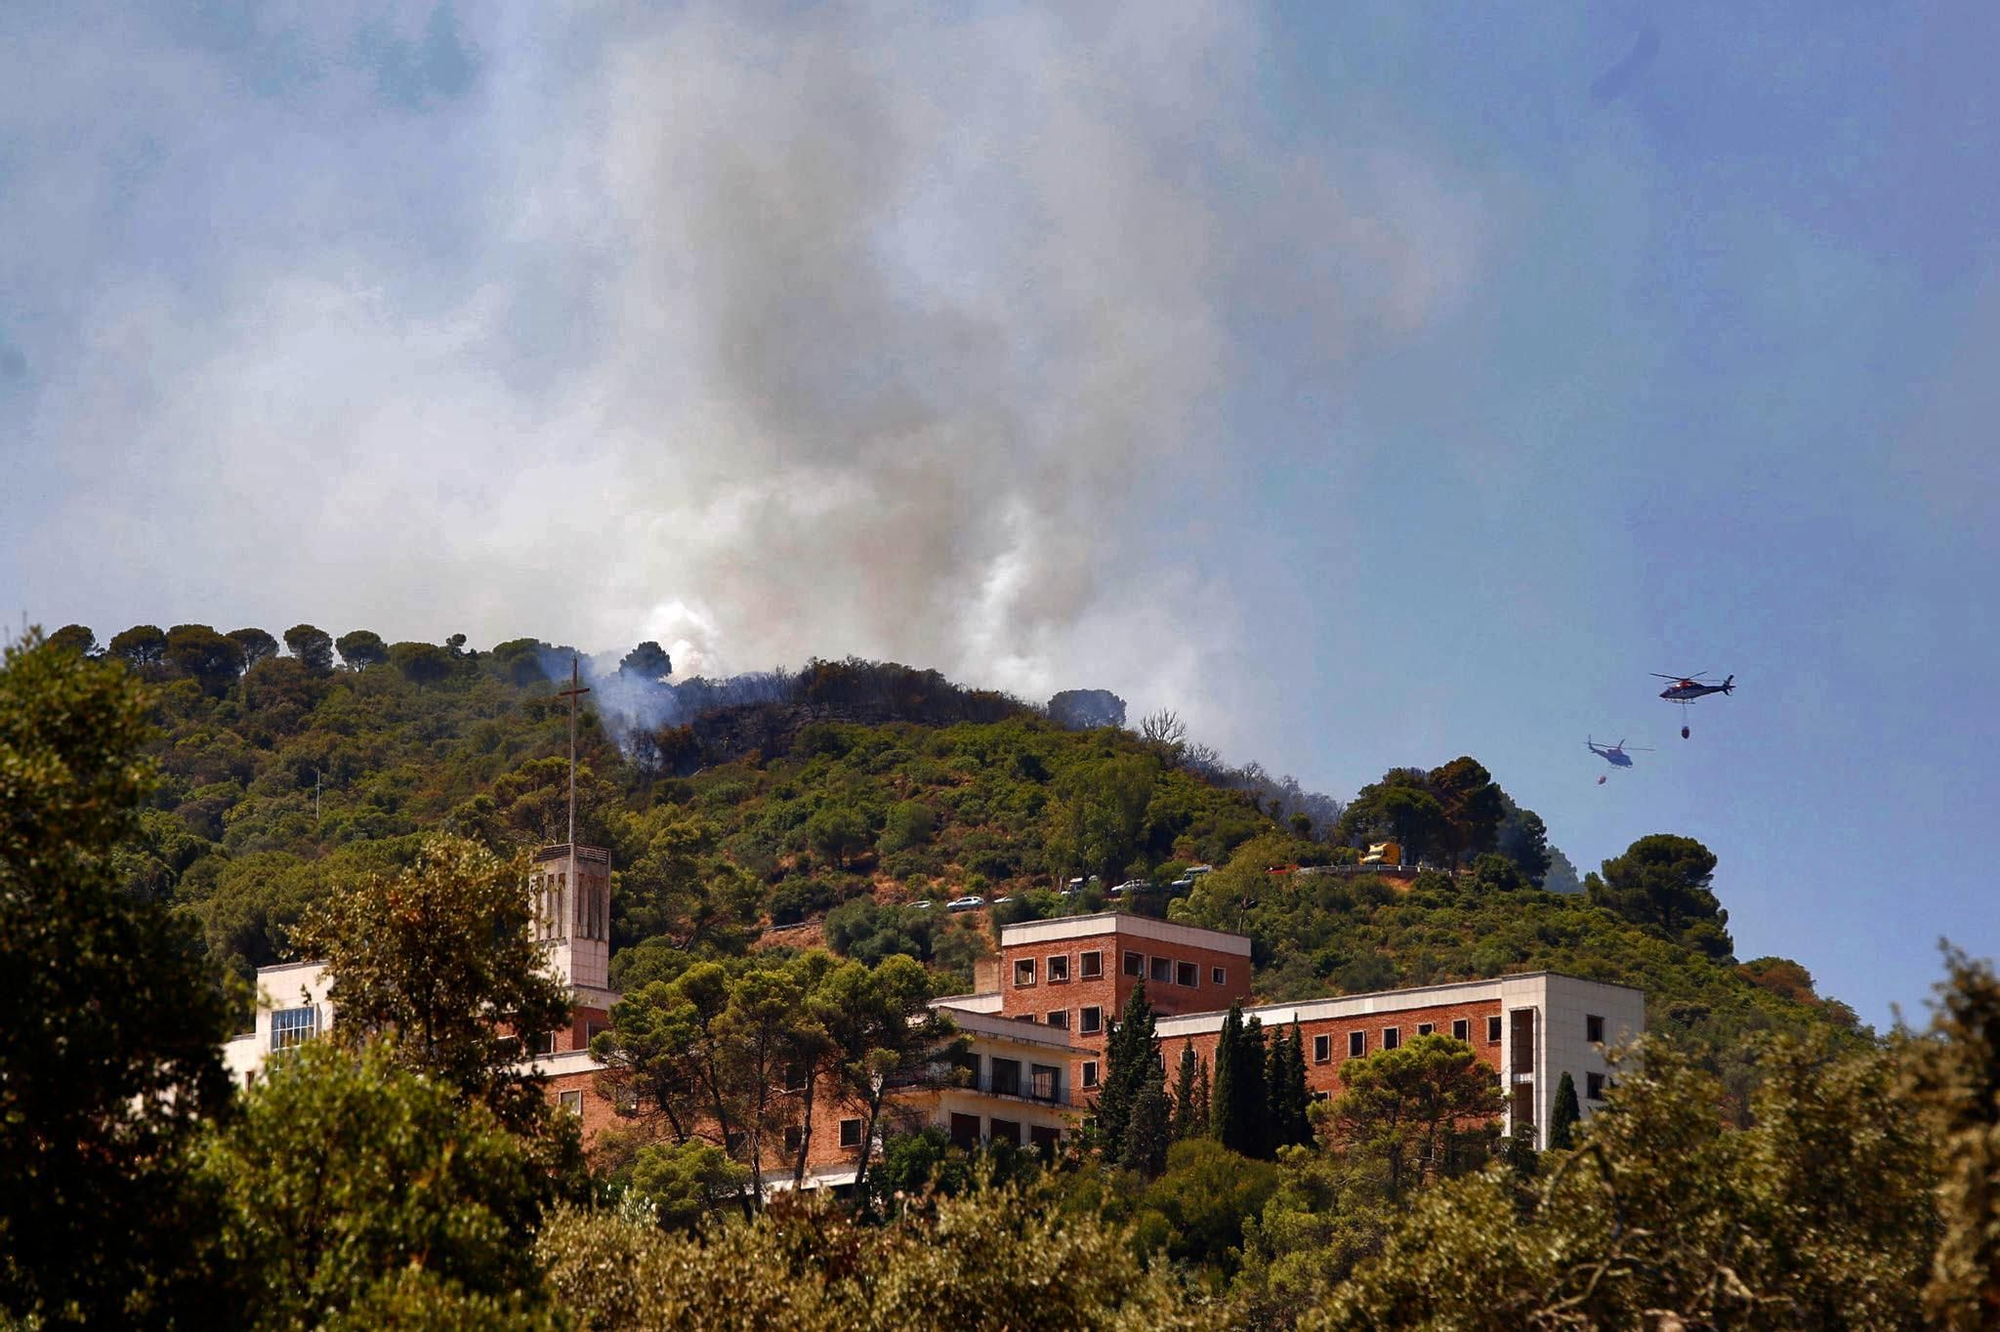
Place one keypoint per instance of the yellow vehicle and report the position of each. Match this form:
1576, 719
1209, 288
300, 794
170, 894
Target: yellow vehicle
1383, 853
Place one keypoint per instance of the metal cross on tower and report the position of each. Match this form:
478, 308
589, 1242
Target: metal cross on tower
574, 692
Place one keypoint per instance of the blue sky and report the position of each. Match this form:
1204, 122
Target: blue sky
1371, 383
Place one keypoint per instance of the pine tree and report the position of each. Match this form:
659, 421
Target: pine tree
1186, 1109
1128, 1052
1225, 1117
1566, 1115
1149, 1131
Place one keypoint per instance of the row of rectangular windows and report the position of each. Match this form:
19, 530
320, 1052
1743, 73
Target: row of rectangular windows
1090, 966
1392, 1037
1461, 1029
1090, 1020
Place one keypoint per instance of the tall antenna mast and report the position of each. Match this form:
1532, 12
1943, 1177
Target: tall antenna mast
574, 692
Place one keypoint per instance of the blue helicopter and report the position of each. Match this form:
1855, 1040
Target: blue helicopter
1616, 755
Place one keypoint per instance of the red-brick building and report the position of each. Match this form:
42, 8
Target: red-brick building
1035, 1031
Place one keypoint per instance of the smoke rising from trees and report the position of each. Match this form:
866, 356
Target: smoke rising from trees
770, 336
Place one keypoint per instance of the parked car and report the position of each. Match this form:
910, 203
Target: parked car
1131, 886
1006, 897
970, 902
922, 904
1185, 881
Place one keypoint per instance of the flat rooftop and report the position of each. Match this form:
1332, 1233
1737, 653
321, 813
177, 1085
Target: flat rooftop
1125, 925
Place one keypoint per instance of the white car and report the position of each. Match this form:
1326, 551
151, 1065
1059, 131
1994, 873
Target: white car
970, 902
922, 904
1131, 886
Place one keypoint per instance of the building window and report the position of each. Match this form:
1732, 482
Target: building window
795, 1138
1007, 1077
544, 1043
965, 1131
850, 1133
1322, 1096
571, 1101
1593, 1086
1134, 964
1044, 1139
1391, 1037
1024, 971
1091, 964
1044, 1082
1059, 1017
795, 1076
1058, 968
1322, 1049
1093, 1020
293, 1026
1163, 970
1004, 1130
1493, 1031
1357, 1044
1187, 973
1424, 1029
1461, 1030
1218, 976
1593, 1029
1090, 1072
592, 1030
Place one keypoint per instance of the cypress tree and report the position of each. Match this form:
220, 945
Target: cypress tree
1566, 1115
1204, 1098
1290, 1097
1251, 1100
1128, 1052
1149, 1130
1277, 1108
1225, 1115
1187, 1112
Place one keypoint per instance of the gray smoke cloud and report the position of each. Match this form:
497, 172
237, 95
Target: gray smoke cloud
758, 332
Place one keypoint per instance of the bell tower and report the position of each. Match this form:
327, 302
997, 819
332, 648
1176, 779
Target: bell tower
571, 892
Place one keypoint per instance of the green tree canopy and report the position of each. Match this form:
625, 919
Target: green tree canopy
257, 645
312, 645
361, 649
1423, 1110
1398, 807
687, 1182
201, 654
422, 663
74, 638
1953, 1075
1819, 1215
1568, 1113
113, 1025
141, 645
1472, 806
429, 957
1662, 883
1128, 1055
647, 662
346, 1169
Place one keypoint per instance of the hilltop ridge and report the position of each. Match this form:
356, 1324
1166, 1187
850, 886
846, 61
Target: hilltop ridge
846, 793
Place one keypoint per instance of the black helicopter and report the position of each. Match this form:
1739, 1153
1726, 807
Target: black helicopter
1685, 689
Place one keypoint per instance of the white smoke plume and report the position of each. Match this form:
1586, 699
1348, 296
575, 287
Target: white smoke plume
761, 332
